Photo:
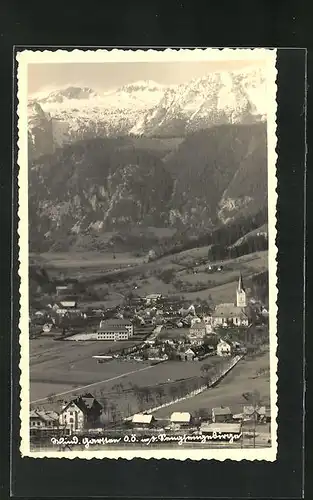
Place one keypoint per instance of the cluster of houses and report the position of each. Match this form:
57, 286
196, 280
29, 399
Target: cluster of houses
78, 414
85, 413
155, 311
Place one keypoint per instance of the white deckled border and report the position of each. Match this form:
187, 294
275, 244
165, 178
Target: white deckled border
25, 57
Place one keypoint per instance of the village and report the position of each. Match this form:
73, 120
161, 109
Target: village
161, 327
152, 330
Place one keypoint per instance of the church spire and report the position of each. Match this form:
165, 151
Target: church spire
241, 288
241, 294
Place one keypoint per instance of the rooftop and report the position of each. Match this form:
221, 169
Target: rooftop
141, 418
228, 310
180, 417
112, 328
46, 415
115, 321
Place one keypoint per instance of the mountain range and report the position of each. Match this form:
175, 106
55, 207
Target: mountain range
145, 108
80, 193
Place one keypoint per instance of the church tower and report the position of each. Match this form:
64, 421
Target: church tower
241, 294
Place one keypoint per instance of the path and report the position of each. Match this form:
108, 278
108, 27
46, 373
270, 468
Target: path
94, 384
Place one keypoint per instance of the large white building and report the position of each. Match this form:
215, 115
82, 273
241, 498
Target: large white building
115, 329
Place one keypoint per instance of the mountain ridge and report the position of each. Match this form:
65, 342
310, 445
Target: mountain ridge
92, 187
146, 108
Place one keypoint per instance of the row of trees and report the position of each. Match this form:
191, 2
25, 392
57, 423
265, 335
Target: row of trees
140, 398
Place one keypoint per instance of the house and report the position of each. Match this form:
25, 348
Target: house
264, 414
187, 355
142, 420
207, 319
190, 310
61, 289
194, 321
68, 304
260, 413
43, 420
115, 329
180, 419
152, 298
80, 413
198, 329
222, 414
223, 348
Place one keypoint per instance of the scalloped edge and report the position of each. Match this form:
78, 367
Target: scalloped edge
25, 57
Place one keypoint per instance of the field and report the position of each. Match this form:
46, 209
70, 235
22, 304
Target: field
70, 366
115, 381
243, 378
60, 260
220, 286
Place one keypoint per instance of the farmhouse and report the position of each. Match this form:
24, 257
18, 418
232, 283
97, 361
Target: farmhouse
80, 413
142, 420
180, 419
222, 414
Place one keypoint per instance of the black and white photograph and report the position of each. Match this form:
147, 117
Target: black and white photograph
147, 208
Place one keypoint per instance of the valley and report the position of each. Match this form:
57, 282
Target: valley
148, 247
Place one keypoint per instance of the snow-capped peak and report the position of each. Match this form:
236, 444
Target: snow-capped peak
142, 85
68, 93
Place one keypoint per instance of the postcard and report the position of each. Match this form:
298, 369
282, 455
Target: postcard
147, 256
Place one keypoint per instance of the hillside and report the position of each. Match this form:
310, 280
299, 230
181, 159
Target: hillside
92, 187
220, 174
126, 186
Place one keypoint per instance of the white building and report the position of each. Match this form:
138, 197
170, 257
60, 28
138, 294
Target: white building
80, 413
114, 326
152, 298
180, 418
223, 348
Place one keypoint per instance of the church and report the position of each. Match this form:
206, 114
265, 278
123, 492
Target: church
233, 314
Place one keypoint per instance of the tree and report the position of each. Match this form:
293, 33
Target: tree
104, 403
160, 393
173, 391
211, 340
113, 412
203, 413
182, 388
51, 397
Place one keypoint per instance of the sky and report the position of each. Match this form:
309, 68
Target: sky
107, 76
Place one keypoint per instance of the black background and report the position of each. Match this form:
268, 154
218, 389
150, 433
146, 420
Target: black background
145, 24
